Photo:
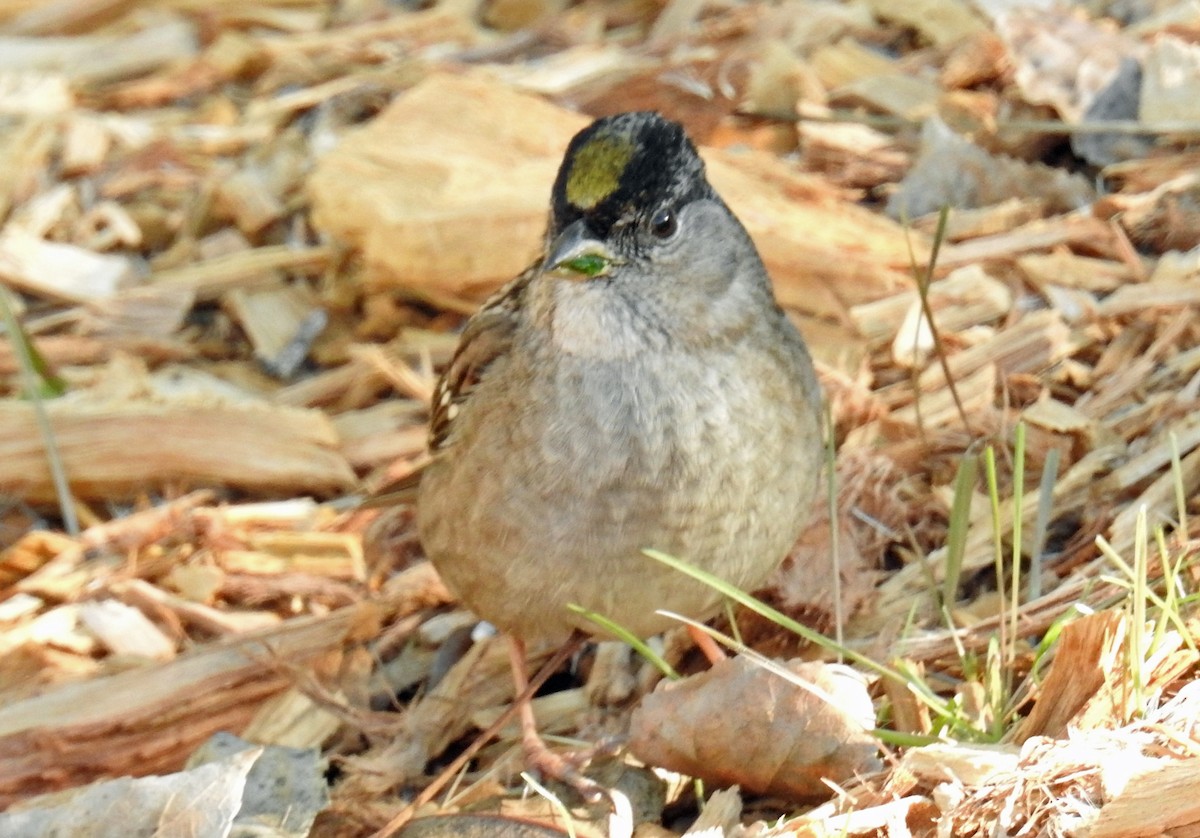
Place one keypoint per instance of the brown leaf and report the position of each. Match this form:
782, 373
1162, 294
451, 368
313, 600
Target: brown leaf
740, 723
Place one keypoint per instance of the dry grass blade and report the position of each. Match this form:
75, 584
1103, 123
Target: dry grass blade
924, 279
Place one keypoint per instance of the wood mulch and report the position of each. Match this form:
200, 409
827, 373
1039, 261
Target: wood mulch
241, 236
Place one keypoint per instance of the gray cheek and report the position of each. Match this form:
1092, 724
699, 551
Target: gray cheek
709, 251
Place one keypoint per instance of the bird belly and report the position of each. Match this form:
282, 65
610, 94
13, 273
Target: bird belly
608, 480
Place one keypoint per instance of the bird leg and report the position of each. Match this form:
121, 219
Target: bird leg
706, 645
537, 755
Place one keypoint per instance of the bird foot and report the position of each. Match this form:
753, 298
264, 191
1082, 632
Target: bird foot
565, 768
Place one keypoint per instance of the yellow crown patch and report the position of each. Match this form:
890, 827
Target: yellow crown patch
596, 169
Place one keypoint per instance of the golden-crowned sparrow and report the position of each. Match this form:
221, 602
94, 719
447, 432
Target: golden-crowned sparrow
637, 387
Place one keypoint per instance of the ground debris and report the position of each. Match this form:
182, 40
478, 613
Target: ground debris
239, 241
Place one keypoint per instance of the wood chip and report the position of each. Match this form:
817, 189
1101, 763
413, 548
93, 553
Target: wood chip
61, 271
116, 725
256, 448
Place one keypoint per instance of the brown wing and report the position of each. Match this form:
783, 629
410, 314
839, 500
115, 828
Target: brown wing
487, 336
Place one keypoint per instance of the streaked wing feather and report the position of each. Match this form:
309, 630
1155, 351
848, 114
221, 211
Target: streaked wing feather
487, 336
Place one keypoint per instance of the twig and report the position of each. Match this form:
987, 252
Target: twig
450, 771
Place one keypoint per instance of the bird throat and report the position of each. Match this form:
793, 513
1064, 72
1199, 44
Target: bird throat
590, 321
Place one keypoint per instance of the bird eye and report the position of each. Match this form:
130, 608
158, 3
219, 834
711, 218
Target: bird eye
664, 224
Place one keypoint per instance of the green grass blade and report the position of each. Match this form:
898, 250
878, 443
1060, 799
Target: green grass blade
621, 633
1041, 526
956, 535
993, 487
38, 380
921, 690
1018, 505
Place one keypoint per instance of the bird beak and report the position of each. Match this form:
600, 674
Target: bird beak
575, 254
